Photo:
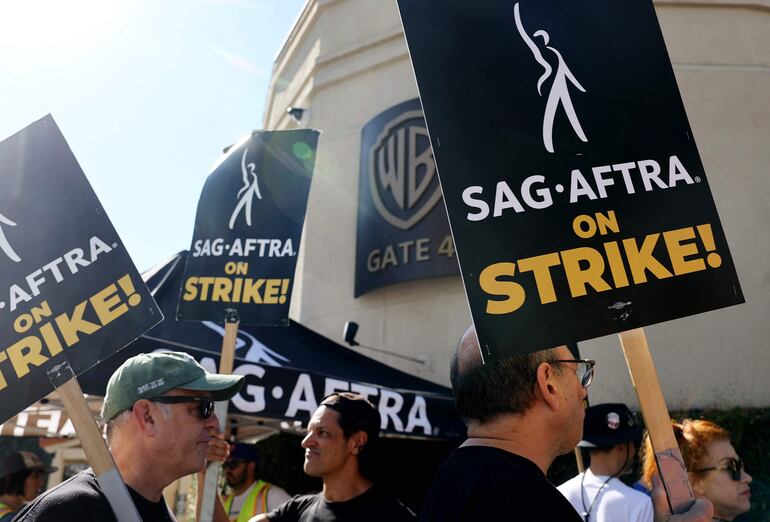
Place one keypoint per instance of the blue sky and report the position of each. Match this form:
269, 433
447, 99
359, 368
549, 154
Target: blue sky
146, 92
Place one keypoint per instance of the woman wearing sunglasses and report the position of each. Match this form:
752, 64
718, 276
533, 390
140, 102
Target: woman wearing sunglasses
714, 469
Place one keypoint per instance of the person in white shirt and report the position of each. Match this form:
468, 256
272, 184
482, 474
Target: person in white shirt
610, 433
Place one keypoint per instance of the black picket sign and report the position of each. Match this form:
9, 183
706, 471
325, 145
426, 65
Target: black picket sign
69, 292
248, 228
577, 199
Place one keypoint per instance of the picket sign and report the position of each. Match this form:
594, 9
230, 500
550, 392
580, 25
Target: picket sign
269, 174
226, 363
566, 282
97, 453
106, 294
647, 385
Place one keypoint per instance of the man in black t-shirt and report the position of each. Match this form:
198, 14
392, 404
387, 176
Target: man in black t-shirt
81, 498
159, 414
373, 505
522, 412
339, 449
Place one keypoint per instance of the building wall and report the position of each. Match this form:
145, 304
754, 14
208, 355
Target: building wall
346, 61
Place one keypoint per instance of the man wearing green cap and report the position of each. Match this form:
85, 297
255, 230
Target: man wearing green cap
159, 414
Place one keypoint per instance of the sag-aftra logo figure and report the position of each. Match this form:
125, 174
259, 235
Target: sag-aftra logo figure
5, 246
559, 93
247, 192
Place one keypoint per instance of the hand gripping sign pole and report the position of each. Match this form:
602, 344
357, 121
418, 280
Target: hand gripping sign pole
97, 453
225, 367
647, 385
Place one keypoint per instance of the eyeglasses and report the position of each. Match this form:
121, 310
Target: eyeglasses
585, 369
205, 404
232, 463
734, 467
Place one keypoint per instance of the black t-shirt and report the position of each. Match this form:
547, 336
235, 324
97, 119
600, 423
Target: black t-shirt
482, 483
373, 505
80, 498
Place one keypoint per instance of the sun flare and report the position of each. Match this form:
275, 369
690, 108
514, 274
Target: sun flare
40, 34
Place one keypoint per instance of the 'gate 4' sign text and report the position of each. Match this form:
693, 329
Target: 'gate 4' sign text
403, 232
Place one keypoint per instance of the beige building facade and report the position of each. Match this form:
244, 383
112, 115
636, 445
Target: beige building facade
345, 61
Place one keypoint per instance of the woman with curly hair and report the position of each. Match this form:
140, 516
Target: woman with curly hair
714, 468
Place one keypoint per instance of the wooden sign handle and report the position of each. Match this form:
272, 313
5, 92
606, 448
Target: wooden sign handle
229, 340
581, 467
99, 457
226, 362
647, 385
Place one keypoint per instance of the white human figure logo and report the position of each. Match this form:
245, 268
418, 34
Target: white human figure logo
4, 245
248, 191
559, 88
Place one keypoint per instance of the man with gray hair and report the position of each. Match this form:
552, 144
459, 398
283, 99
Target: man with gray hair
521, 412
159, 414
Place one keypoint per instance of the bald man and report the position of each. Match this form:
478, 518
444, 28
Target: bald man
521, 412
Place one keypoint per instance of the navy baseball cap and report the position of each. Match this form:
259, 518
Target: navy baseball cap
23, 460
245, 452
609, 424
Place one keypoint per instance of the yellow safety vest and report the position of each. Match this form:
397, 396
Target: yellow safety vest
256, 502
5, 509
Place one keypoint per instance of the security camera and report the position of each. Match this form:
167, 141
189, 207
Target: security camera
296, 113
349, 333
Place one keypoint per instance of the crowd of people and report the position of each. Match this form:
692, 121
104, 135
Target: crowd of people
521, 413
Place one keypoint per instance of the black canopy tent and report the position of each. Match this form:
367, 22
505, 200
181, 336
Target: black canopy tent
288, 369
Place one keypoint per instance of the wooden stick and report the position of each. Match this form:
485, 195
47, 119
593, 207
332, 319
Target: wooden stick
578, 453
226, 362
581, 467
579, 460
647, 385
99, 457
228, 347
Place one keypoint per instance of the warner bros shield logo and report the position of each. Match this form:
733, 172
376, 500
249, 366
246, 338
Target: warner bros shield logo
402, 173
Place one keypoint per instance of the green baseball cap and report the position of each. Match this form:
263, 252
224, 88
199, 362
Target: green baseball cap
149, 375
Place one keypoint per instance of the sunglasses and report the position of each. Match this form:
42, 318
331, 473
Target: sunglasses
734, 467
205, 404
232, 463
584, 370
